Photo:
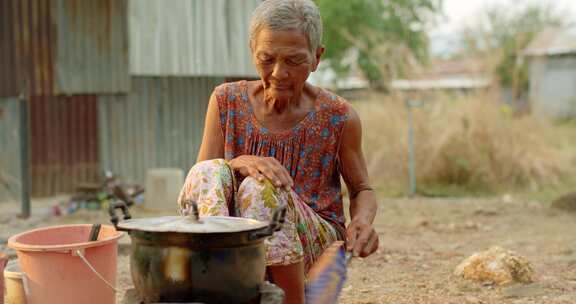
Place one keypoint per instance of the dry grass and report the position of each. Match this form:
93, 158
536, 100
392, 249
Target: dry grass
470, 142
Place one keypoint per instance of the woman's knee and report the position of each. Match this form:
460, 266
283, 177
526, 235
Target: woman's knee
255, 194
207, 170
210, 183
209, 166
202, 175
249, 184
248, 193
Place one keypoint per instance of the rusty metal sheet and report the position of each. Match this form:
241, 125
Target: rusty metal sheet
64, 143
26, 47
8, 72
56, 47
92, 46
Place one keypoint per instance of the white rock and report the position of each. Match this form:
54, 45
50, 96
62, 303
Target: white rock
496, 266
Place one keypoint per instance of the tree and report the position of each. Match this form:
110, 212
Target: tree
389, 35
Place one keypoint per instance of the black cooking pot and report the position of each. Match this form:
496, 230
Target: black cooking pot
213, 259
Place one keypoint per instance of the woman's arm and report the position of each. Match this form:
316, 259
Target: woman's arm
362, 238
212, 145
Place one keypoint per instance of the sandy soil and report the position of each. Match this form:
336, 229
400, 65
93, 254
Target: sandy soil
422, 241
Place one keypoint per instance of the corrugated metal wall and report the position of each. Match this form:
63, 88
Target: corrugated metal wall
64, 143
159, 124
553, 85
56, 53
63, 47
9, 149
8, 76
190, 37
92, 49
27, 48
66, 54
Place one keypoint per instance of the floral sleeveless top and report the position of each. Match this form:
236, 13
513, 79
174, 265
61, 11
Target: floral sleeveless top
309, 150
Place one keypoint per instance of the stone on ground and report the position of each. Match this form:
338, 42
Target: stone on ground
496, 266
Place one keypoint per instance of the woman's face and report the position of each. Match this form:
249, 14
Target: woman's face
283, 60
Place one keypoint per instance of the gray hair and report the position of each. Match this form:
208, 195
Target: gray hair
288, 14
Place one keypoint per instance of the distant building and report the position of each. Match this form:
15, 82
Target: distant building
446, 75
353, 81
552, 64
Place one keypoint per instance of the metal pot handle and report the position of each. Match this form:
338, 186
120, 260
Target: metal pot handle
112, 212
191, 208
278, 219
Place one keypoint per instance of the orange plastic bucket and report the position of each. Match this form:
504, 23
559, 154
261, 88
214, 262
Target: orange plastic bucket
61, 266
3, 261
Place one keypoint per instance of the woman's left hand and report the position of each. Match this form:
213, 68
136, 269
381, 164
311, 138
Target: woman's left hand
362, 239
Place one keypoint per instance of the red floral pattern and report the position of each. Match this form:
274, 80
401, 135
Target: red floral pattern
309, 150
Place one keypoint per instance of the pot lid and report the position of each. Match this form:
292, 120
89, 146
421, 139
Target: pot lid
188, 224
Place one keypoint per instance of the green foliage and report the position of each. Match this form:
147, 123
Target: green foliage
389, 35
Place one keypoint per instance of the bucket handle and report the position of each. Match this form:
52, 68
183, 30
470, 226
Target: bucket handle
80, 254
25, 285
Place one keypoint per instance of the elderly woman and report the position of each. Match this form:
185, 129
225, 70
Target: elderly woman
281, 141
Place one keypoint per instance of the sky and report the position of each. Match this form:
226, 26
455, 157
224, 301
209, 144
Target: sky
459, 13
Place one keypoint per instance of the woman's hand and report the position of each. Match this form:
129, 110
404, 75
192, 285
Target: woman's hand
262, 167
362, 239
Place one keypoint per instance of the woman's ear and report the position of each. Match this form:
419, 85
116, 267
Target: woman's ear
319, 52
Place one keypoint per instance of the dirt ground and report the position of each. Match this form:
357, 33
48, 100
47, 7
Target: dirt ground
422, 241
